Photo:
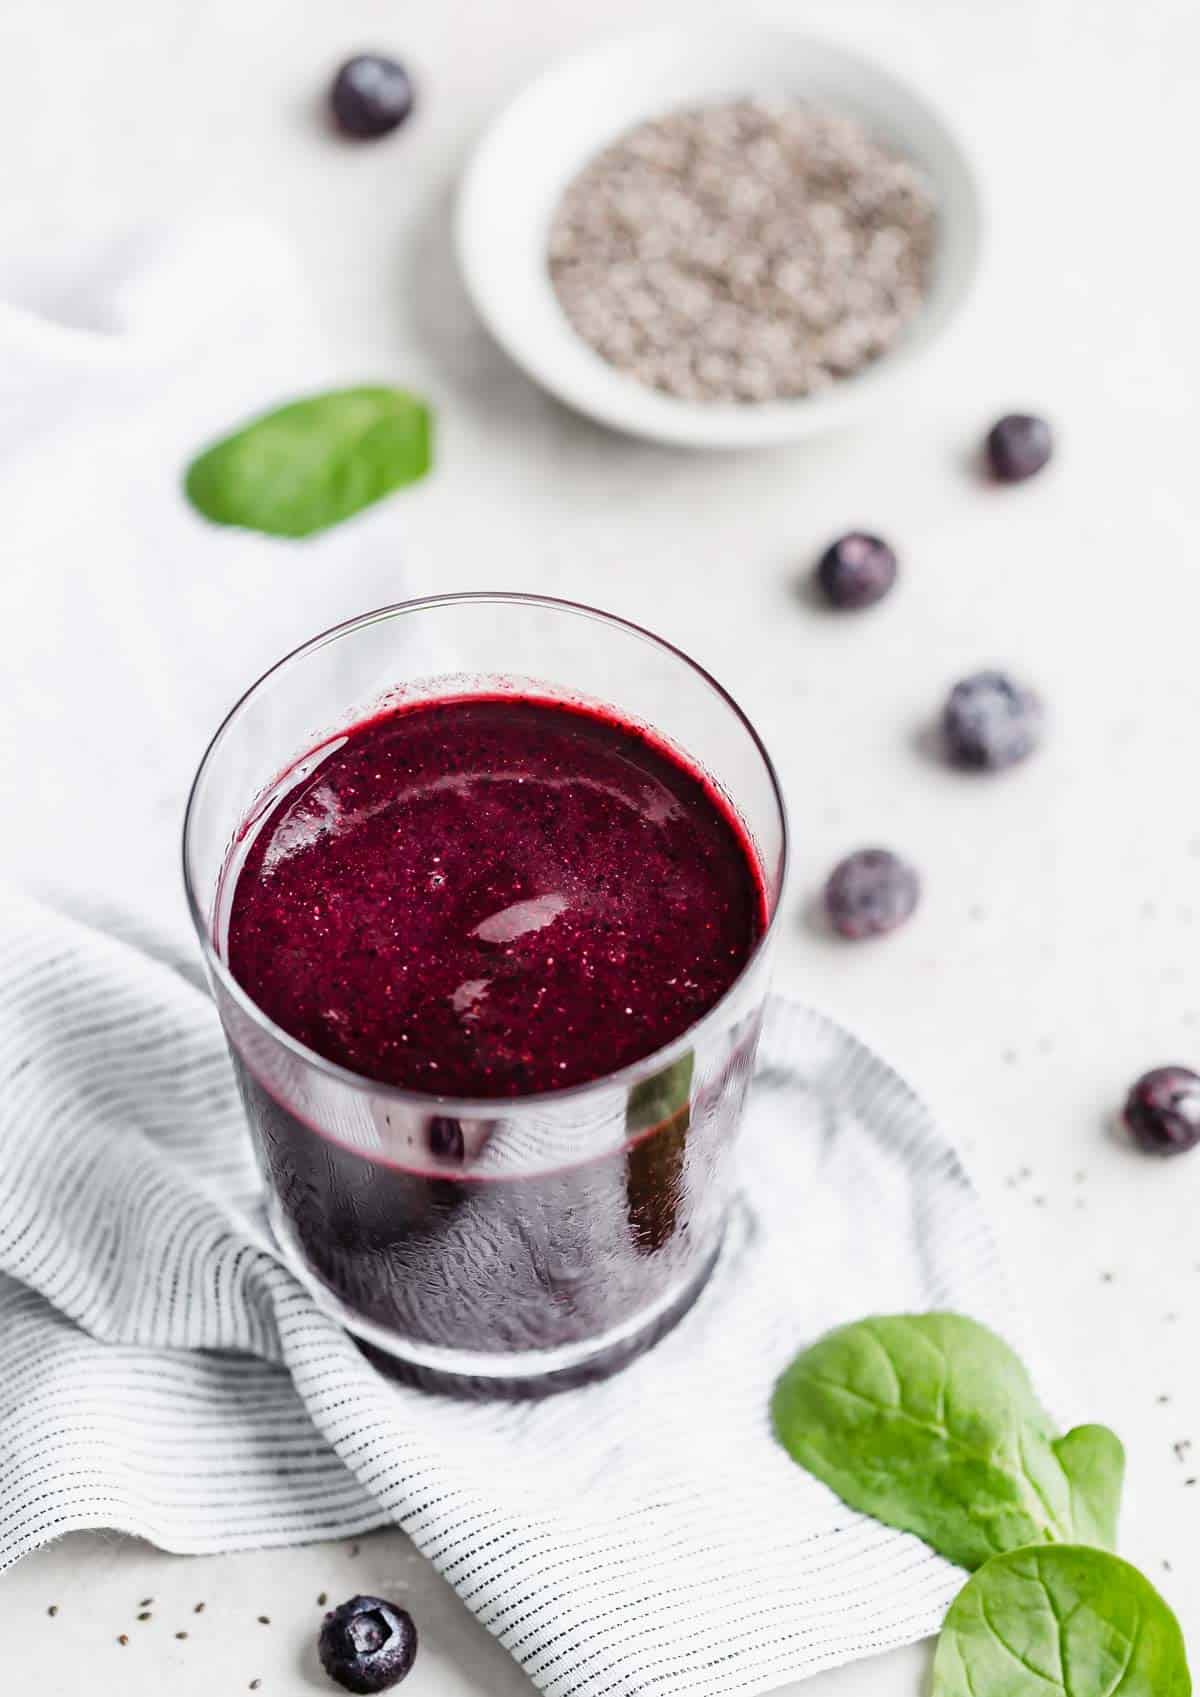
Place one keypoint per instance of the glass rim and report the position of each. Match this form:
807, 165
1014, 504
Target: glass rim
470, 1107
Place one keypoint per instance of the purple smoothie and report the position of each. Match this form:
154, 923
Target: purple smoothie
493, 897
497, 897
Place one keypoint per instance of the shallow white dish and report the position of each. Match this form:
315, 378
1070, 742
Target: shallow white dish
537, 144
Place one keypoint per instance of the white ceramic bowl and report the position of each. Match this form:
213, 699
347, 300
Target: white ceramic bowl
538, 143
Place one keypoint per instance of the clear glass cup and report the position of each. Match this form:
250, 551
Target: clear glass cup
570, 1229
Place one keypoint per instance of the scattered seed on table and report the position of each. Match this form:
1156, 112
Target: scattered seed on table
52, 1610
322, 1599
145, 1615
264, 1620
1106, 1278
181, 1635
1189, 1481
122, 1638
145, 1602
199, 1609
1181, 1448
1163, 1398
254, 1684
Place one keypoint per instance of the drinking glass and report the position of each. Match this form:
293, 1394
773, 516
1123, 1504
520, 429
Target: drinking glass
498, 1246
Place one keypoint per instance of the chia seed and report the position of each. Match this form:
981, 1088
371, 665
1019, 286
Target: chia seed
743, 252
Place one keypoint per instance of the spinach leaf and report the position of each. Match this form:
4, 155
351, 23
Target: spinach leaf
1093, 1459
929, 1423
1060, 1621
313, 463
661, 1096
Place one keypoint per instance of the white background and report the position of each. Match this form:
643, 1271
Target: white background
1054, 956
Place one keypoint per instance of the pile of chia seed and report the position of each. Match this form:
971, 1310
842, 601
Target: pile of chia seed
743, 252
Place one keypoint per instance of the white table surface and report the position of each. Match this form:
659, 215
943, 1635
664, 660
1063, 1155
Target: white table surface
1054, 957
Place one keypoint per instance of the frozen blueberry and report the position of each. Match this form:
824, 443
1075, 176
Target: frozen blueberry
370, 96
446, 1138
1018, 446
856, 571
367, 1644
989, 722
1162, 1111
870, 893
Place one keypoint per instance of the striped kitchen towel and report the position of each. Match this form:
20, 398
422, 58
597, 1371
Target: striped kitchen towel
164, 1373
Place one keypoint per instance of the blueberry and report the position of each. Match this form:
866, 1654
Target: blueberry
990, 722
367, 1644
1162, 1111
1018, 446
870, 893
856, 571
446, 1138
370, 96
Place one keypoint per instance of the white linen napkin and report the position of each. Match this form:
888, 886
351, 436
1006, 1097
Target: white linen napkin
131, 625
164, 1374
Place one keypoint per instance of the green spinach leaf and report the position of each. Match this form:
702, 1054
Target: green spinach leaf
929, 1423
661, 1096
1093, 1459
313, 463
1060, 1621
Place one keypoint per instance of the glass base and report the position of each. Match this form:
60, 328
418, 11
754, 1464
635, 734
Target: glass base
477, 1375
